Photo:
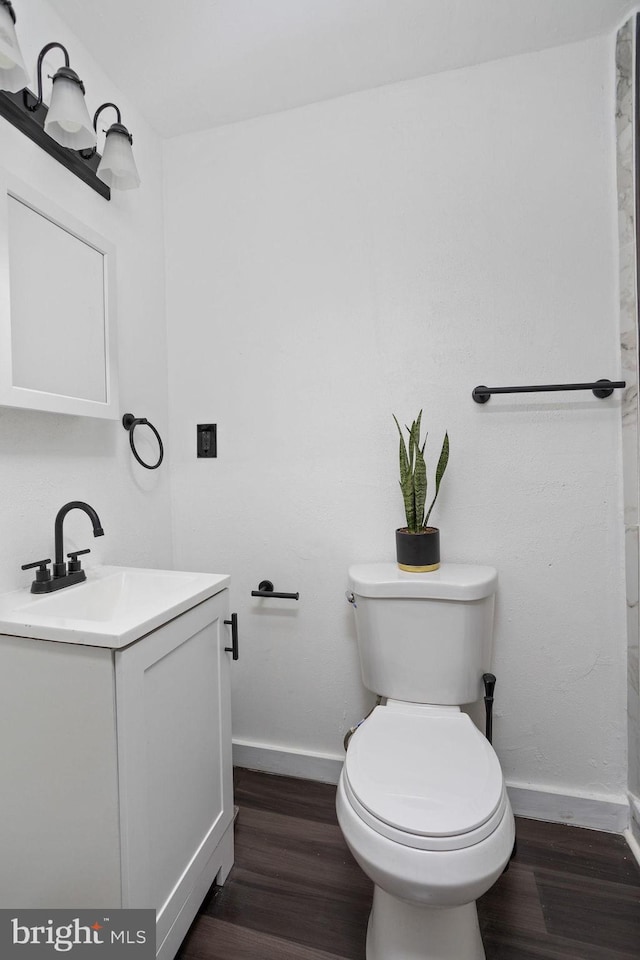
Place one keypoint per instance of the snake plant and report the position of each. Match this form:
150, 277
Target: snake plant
413, 475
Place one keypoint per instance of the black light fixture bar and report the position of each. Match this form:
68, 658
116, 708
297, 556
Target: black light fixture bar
600, 389
31, 123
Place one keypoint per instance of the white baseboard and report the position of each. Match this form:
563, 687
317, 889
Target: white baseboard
288, 763
595, 813
632, 835
634, 804
634, 843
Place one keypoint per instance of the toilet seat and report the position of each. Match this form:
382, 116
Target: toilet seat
425, 777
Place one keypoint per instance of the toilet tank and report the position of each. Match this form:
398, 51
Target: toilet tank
424, 637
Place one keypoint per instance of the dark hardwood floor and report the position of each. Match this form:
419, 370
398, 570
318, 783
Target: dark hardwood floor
295, 892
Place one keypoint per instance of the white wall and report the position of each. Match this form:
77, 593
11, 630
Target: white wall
381, 253
47, 459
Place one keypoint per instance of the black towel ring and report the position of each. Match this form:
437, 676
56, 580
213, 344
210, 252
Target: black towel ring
129, 422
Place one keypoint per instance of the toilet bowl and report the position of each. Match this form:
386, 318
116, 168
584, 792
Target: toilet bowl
423, 808
421, 800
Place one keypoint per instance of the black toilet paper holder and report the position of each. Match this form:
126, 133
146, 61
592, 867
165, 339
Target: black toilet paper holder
265, 589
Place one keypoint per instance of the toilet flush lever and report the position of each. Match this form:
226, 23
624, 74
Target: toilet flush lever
350, 598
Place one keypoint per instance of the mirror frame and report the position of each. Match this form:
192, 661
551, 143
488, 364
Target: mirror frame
11, 395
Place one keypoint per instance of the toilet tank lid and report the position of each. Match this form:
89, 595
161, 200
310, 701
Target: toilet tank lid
453, 581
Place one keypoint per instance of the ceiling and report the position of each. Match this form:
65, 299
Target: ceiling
195, 64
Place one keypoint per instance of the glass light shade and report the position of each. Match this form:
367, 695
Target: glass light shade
118, 168
68, 121
13, 73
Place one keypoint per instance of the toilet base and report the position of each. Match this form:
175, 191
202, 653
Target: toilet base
404, 931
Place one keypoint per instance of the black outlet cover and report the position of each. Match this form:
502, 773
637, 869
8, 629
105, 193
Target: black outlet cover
207, 440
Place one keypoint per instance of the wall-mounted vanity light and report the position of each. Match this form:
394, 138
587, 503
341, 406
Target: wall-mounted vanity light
67, 120
64, 129
117, 167
13, 73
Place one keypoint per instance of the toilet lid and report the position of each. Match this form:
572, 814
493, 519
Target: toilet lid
430, 775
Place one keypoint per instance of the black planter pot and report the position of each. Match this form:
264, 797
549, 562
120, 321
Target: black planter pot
418, 552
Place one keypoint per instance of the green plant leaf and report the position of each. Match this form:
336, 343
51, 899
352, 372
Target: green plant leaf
419, 487
404, 460
406, 480
409, 502
440, 469
414, 441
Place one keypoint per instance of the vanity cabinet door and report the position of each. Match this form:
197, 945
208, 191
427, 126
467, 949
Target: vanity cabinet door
174, 757
59, 821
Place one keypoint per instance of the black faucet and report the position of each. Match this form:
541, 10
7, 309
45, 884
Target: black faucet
62, 577
59, 566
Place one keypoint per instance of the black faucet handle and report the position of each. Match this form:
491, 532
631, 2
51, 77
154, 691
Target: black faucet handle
37, 563
74, 563
43, 574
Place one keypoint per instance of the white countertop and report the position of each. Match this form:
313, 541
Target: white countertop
114, 606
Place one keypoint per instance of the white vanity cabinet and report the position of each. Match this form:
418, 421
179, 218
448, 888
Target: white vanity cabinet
115, 770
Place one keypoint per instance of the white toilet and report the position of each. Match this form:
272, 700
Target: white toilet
421, 800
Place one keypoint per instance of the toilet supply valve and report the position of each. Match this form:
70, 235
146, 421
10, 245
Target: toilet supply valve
489, 681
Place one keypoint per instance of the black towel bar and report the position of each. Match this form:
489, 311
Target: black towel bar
600, 389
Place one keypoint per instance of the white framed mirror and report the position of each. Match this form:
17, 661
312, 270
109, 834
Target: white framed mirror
57, 308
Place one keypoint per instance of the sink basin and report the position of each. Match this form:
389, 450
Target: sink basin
112, 608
